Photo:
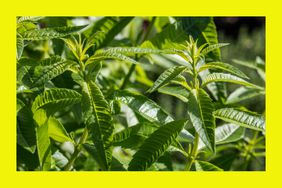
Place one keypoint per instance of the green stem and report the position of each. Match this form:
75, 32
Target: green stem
132, 67
77, 150
193, 154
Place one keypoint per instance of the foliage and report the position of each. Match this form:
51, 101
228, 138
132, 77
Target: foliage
87, 96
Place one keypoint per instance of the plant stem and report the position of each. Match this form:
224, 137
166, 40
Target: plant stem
193, 154
77, 150
132, 67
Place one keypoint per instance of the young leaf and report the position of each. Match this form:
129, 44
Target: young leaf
57, 131
98, 117
166, 77
55, 99
225, 67
50, 33
222, 77
206, 166
131, 51
241, 118
155, 145
200, 108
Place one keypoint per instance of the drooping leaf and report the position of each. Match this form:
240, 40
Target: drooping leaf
200, 109
56, 99
206, 166
155, 145
98, 118
225, 67
177, 91
241, 118
50, 33
29, 19
243, 93
223, 77
57, 131
225, 134
166, 77
51, 72
143, 106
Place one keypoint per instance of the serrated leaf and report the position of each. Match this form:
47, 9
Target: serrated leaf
155, 146
98, 118
50, 33
200, 108
222, 77
106, 29
131, 51
51, 72
57, 131
166, 77
105, 55
56, 99
243, 93
206, 166
241, 118
225, 67
29, 19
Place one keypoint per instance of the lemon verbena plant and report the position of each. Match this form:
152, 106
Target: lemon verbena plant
85, 99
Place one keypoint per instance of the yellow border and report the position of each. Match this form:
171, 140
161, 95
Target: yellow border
11, 178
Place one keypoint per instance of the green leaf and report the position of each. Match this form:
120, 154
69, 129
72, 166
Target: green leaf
57, 131
51, 72
20, 46
243, 93
50, 33
177, 91
43, 146
200, 108
225, 67
131, 51
228, 133
106, 29
166, 77
155, 146
26, 136
206, 166
213, 47
143, 106
104, 55
241, 118
222, 77
56, 99
98, 117
225, 134
29, 19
